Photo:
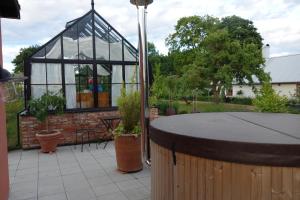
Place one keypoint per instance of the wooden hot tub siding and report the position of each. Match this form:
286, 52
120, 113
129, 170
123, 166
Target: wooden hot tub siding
197, 178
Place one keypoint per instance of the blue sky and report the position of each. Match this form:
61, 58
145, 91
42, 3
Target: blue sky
276, 20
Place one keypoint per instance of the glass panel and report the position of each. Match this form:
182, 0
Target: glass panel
37, 91
129, 52
40, 54
70, 43
115, 46
101, 39
117, 74
115, 93
84, 82
71, 70
104, 92
131, 74
85, 38
54, 73
103, 86
55, 89
53, 49
131, 88
71, 97
38, 73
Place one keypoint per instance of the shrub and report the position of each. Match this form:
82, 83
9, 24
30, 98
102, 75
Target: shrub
267, 100
239, 100
47, 103
129, 105
162, 107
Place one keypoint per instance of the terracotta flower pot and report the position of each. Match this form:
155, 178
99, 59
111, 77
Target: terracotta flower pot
128, 153
49, 141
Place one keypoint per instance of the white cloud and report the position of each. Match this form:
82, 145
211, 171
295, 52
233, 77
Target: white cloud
41, 20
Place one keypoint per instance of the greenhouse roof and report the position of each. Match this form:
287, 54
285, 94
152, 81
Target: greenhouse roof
86, 38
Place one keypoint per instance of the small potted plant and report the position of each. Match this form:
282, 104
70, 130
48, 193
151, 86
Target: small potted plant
40, 109
128, 133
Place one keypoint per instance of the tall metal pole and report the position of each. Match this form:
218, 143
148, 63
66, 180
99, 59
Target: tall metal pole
144, 76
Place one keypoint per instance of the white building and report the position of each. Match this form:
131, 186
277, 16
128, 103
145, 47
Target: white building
284, 72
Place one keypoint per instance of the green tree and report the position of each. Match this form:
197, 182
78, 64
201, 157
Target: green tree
242, 30
225, 60
267, 100
212, 51
24, 53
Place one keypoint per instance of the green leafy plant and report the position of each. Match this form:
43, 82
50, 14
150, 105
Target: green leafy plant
129, 105
46, 104
267, 100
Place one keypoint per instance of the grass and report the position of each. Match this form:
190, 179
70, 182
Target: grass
213, 107
12, 108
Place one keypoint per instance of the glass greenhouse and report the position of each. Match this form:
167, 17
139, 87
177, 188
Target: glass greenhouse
88, 63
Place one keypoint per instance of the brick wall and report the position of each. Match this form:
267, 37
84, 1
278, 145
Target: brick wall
67, 123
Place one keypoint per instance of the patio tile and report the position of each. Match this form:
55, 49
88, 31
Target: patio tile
75, 182
146, 181
137, 193
117, 176
81, 194
60, 196
106, 189
31, 171
100, 181
96, 173
131, 184
113, 196
23, 195
24, 186
26, 178
70, 174
50, 173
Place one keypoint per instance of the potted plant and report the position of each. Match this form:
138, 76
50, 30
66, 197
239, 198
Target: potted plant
40, 109
128, 133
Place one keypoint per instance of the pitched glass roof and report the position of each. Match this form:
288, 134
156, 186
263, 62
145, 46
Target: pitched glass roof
77, 42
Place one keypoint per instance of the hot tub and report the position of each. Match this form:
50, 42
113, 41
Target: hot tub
220, 156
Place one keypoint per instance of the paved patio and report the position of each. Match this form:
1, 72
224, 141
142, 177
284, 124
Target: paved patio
70, 174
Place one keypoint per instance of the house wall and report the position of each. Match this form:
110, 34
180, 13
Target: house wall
67, 123
4, 177
283, 89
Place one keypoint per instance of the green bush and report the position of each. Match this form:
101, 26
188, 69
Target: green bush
267, 100
162, 107
239, 100
47, 103
130, 109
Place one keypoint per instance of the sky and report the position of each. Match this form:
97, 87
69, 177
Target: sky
276, 20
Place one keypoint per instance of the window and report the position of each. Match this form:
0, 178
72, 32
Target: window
45, 77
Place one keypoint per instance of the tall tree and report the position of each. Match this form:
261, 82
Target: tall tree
218, 52
226, 60
242, 30
24, 53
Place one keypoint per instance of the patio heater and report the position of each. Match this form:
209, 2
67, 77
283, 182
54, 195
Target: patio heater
142, 5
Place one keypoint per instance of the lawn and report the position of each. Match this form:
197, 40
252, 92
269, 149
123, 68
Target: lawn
213, 107
12, 108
